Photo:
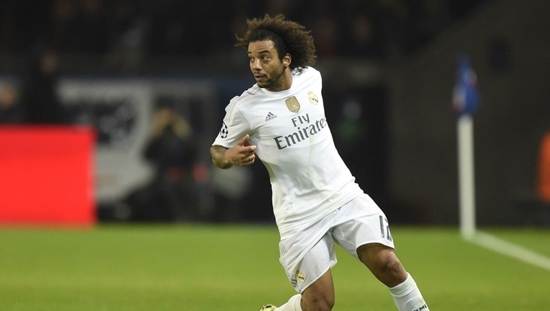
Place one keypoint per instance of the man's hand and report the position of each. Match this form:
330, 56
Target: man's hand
241, 154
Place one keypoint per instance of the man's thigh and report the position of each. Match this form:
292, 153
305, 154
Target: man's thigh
364, 229
314, 265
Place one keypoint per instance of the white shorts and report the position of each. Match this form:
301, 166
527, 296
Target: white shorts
307, 255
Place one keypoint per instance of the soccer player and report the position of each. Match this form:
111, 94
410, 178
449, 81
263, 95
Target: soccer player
316, 201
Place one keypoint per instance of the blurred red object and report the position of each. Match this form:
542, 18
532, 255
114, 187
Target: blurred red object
46, 176
543, 184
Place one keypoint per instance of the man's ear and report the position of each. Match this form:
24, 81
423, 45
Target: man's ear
287, 60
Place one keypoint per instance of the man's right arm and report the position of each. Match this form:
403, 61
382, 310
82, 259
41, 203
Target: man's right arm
241, 154
218, 156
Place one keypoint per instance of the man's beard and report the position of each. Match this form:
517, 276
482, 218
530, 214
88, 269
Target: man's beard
274, 81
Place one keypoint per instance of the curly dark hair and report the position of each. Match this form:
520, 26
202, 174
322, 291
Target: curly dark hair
287, 36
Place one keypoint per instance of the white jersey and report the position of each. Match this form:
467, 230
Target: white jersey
308, 177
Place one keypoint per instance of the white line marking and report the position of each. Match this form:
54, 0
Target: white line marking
510, 249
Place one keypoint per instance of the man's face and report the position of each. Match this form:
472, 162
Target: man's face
266, 66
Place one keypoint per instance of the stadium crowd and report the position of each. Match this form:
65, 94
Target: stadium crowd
135, 32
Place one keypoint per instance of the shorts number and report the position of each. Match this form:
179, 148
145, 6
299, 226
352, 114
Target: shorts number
385, 228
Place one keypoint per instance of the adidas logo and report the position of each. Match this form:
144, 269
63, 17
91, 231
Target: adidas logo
270, 116
422, 307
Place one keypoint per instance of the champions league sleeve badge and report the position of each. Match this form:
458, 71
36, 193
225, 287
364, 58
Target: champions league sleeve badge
224, 131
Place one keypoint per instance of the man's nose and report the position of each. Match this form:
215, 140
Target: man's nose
256, 64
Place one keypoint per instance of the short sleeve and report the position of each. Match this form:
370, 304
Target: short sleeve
234, 126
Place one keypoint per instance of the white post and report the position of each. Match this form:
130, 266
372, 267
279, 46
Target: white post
466, 176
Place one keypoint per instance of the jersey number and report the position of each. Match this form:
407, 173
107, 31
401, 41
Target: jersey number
385, 228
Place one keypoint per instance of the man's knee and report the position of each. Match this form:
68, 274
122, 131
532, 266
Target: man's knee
383, 263
317, 303
389, 265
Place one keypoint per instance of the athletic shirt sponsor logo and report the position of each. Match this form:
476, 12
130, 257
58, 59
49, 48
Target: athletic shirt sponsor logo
305, 128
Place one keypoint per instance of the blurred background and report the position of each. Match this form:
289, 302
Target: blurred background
152, 79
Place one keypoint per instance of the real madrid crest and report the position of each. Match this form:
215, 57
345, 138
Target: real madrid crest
292, 104
313, 98
300, 277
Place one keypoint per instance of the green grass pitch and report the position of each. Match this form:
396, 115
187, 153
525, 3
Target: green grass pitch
236, 268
